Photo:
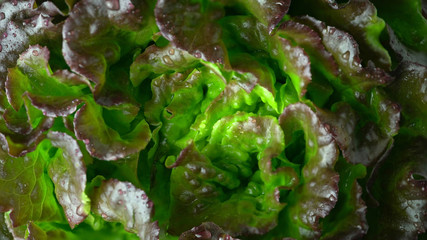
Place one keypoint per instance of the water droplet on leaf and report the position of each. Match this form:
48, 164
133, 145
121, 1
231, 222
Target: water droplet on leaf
112, 4
346, 55
80, 210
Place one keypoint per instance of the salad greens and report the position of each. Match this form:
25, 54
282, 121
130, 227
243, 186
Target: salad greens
213, 119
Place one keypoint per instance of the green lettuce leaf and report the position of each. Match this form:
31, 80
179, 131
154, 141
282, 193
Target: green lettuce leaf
31, 198
292, 60
221, 180
104, 142
404, 22
159, 61
50, 92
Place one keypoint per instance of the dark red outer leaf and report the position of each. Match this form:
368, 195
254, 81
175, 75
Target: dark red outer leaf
269, 12
345, 51
16, 125
357, 17
19, 145
54, 106
68, 173
365, 145
317, 196
195, 31
310, 40
276, 13
21, 26
399, 185
93, 21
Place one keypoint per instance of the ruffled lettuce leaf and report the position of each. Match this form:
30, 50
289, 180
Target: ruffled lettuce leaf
317, 194
21, 131
345, 51
399, 186
21, 24
292, 60
211, 85
253, 74
19, 145
36, 95
20, 121
159, 61
409, 90
363, 141
357, 17
402, 53
269, 13
97, 34
231, 100
222, 177
55, 94
104, 142
117, 201
312, 43
197, 31
179, 98
94, 227
68, 173
348, 218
